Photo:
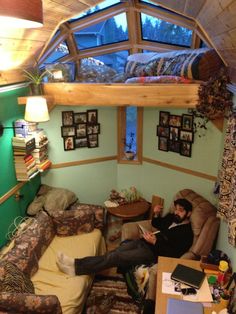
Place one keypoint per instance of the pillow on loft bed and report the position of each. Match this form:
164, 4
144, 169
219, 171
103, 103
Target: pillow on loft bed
198, 64
95, 71
60, 72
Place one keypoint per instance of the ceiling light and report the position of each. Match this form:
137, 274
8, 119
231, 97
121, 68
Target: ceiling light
21, 13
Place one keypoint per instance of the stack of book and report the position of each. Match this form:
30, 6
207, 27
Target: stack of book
40, 153
25, 165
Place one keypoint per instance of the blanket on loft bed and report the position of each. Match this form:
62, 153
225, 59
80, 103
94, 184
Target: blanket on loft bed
176, 66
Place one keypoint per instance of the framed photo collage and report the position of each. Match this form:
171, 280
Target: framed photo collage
175, 133
80, 129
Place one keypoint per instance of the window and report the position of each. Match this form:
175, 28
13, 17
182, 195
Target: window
97, 8
107, 32
130, 126
154, 29
61, 51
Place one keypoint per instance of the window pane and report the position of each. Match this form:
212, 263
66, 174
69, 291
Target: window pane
131, 128
110, 31
115, 60
150, 2
99, 7
155, 29
61, 51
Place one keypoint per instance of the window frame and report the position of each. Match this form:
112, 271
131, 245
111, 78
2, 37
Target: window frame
121, 134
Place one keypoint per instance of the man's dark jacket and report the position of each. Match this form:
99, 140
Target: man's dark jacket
172, 242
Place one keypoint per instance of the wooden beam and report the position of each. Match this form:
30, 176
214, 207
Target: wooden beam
162, 95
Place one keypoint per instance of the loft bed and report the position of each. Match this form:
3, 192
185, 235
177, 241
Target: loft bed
169, 79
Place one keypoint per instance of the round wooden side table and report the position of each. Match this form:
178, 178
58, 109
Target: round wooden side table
129, 211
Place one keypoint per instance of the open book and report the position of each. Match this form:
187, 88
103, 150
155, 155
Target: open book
143, 230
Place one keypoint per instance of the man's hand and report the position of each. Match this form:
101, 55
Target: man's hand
150, 237
157, 209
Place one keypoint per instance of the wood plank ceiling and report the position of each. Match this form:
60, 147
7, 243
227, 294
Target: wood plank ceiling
20, 48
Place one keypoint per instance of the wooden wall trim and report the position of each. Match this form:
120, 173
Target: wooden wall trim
148, 160
11, 192
82, 162
180, 169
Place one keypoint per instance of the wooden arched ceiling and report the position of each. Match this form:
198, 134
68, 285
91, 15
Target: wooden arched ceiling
20, 48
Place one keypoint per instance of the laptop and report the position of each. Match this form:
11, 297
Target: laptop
176, 306
189, 276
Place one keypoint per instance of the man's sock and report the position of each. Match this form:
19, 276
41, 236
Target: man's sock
65, 264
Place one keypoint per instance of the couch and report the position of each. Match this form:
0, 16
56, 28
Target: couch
205, 227
30, 281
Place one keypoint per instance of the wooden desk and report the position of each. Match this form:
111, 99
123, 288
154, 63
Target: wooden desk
167, 264
129, 211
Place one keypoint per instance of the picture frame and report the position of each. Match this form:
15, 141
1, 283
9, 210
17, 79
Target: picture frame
80, 117
93, 128
186, 149
67, 131
164, 118
69, 143
175, 120
174, 146
187, 122
81, 130
92, 116
186, 136
67, 118
163, 131
163, 144
93, 140
174, 133
81, 142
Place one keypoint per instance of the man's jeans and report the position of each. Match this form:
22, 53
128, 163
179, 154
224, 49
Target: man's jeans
131, 253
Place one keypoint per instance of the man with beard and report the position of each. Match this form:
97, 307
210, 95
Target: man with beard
173, 240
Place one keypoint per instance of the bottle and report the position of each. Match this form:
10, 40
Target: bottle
223, 267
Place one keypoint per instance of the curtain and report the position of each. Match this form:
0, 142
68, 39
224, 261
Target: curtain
227, 196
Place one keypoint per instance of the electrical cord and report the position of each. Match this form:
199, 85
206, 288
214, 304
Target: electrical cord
18, 226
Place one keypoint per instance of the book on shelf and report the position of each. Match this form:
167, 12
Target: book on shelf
40, 138
43, 166
23, 144
23, 128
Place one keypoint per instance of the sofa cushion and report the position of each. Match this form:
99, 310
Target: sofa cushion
72, 222
70, 290
99, 213
52, 200
22, 303
12, 279
31, 243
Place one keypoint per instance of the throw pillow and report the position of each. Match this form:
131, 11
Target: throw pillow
12, 279
52, 200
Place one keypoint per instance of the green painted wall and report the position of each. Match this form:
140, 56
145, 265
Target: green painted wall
92, 182
10, 209
153, 179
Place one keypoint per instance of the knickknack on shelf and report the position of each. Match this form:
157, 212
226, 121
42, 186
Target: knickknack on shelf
175, 133
80, 129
